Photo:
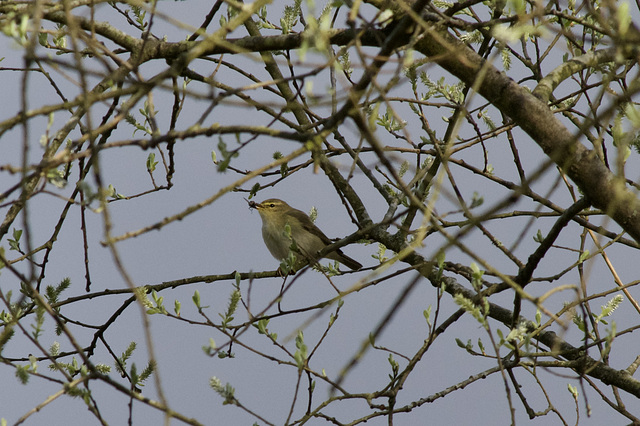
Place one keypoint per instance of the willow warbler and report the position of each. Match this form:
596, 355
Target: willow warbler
308, 238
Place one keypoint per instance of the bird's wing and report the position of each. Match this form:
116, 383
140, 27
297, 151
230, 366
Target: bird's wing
309, 226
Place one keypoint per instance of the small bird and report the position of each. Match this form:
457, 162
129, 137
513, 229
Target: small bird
308, 238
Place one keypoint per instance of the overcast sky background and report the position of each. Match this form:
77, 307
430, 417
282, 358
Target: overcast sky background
225, 237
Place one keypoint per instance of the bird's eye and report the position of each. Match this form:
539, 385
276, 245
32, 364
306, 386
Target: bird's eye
272, 205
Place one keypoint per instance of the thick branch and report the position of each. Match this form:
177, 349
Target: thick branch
589, 366
601, 187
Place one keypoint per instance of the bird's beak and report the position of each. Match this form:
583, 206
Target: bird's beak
253, 204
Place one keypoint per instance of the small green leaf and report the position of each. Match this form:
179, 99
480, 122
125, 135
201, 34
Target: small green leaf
261, 325
196, 299
14, 243
211, 349
301, 354
538, 238
476, 201
573, 391
427, 314
42, 39
151, 162
111, 192
254, 190
583, 256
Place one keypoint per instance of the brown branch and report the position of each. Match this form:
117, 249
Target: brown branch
601, 187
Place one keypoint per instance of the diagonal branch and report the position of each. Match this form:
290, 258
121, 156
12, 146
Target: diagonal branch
600, 186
